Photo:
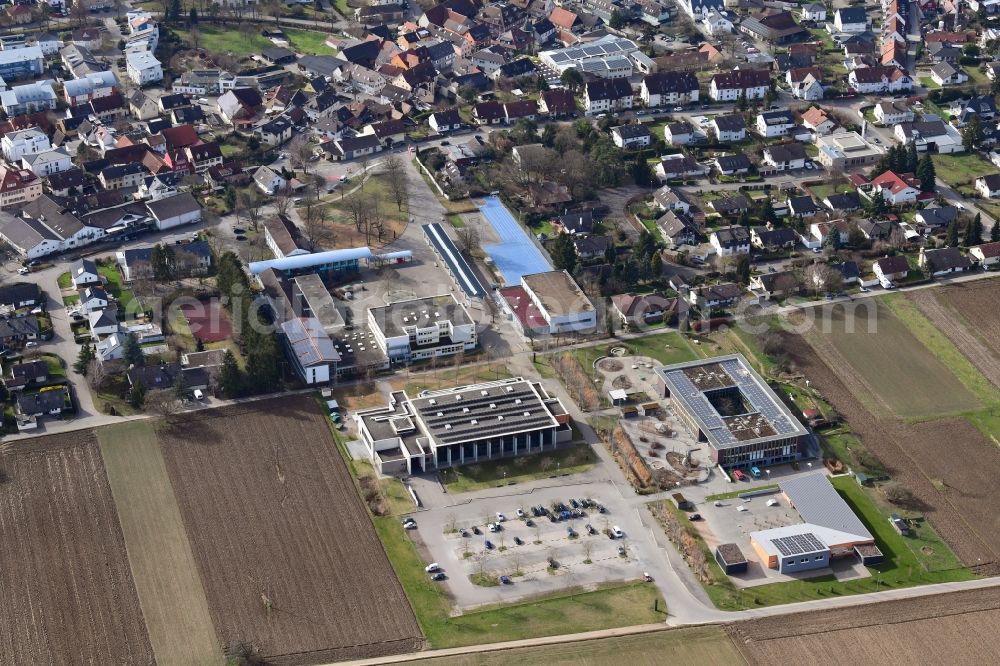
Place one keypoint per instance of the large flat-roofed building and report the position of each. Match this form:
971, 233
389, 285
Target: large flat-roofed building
560, 301
830, 530
422, 328
314, 300
465, 424
844, 150
724, 402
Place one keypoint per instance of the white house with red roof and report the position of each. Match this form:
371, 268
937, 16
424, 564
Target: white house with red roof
896, 189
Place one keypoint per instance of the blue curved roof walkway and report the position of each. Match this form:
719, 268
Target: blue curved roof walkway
516, 254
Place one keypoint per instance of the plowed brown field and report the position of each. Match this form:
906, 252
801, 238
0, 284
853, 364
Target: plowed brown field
948, 451
66, 591
287, 553
954, 628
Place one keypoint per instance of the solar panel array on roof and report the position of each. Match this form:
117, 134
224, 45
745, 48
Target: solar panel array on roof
798, 544
560, 57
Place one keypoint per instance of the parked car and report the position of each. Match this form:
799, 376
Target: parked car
529, 523
492, 527
621, 551
440, 575
601, 509
570, 531
573, 503
476, 530
432, 567
755, 471
739, 476
489, 545
500, 517
590, 529
518, 541
23, 270
694, 516
504, 580
616, 532
520, 513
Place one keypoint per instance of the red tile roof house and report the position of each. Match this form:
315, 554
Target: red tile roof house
891, 269
896, 189
636, 309
987, 254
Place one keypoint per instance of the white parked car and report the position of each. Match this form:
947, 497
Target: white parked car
741, 508
432, 567
500, 517
617, 532
492, 527
199, 395
23, 270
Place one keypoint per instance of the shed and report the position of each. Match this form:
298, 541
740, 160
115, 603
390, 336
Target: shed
731, 558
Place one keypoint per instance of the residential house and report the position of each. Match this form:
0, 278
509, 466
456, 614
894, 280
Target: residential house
142, 106
631, 136
868, 80
514, 111
890, 270
730, 86
669, 89
26, 374
667, 198
102, 322
773, 240
785, 157
607, 95
774, 123
18, 295
815, 12
678, 167
818, 121
730, 206
275, 131
18, 187
488, 113
28, 98
592, 247
943, 261
934, 135
987, 255
677, 229
120, 176
774, 286
557, 103
16, 331
729, 128
890, 112
946, 74
777, 28
83, 273
896, 189
851, 19
845, 202
988, 186
204, 156
19, 143
801, 207
350, 148
143, 68
641, 309
678, 134
283, 237
240, 106
445, 121
733, 165
728, 241
715, 296
93, 299
268, 181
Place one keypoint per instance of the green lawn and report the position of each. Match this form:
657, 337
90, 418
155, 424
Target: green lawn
826, 189
667, 348
927, 560
843, 445
456, 220
494, 473
65, 280
308, 41
342, 7
71, 300
929, 83
976, 77
113, 283
961, 168
219, 39
56, 369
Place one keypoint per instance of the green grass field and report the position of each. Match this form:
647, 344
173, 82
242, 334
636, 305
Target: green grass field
218, 39
961, 168
667, 348
706, 646
826, 189
65, 280
495, 473
113, 283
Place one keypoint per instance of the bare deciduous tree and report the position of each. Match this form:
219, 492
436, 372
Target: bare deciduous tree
251, 203
468, 239
396, 172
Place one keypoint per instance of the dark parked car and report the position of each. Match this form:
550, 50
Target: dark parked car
489, 545
440, 575
476, 530
518, 541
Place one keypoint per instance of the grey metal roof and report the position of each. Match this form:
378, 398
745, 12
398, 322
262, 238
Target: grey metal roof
819, 503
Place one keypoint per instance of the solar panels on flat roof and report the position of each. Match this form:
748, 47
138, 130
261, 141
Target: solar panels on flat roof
798, 544
560, 57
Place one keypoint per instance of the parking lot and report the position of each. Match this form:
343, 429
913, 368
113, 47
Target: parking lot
547, 555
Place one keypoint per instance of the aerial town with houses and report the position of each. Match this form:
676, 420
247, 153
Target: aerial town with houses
499, 331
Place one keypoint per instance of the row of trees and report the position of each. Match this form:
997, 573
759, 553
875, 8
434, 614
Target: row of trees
903, 158
255, 336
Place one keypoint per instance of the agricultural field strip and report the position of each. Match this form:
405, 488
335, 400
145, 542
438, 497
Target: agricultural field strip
166, 576
884, 437
923, 630
67, 588
279, 532
955, 328
896, 366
